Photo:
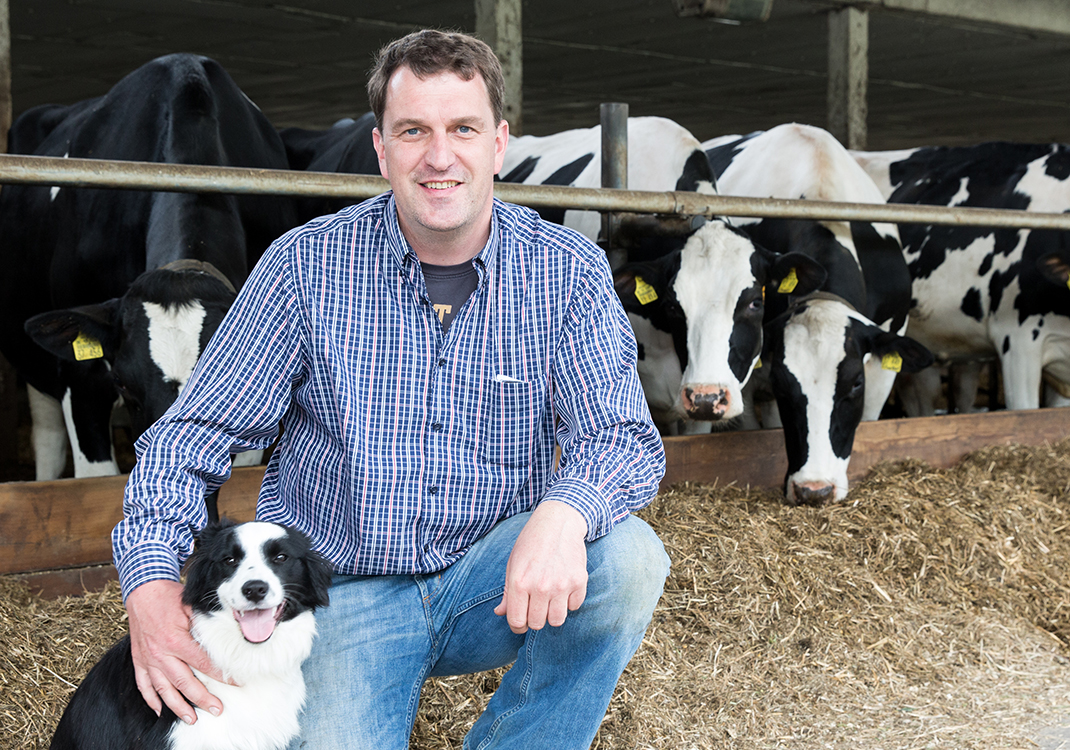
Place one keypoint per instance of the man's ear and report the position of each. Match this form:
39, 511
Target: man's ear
501, 140
380, 151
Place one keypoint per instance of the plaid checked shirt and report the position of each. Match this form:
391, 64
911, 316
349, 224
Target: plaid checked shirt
402, 445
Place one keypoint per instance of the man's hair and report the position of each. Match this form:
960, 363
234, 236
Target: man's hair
430, 52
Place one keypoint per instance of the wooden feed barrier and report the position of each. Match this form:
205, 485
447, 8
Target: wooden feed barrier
57, 535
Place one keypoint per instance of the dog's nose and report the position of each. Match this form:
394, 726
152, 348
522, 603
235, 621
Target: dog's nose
254, 591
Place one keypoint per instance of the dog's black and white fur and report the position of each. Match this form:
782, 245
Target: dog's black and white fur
253, 589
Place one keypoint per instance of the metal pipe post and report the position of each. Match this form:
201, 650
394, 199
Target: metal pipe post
614, 118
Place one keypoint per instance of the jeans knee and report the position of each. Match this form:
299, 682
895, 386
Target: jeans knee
630, 568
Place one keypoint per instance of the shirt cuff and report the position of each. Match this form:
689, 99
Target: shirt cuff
588, 500
148, 561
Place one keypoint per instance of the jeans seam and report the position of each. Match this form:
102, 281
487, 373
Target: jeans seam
523, 690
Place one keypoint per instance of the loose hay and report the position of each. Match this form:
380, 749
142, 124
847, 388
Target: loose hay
929, 610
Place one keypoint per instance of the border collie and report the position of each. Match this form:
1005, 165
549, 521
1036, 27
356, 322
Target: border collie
253, 588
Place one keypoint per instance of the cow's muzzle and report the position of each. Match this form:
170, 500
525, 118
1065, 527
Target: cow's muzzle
809, 493
706, 403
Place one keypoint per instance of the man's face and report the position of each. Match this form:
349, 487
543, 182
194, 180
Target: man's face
440, 149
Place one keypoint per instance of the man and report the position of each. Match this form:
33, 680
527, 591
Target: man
417, 447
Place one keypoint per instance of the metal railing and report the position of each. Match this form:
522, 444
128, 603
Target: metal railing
94, 173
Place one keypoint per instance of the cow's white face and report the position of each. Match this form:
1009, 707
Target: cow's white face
819, 380
722, 301
175, 339
818, 354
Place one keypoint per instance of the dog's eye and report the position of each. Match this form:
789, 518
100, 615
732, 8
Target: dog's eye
279, 559
229, 561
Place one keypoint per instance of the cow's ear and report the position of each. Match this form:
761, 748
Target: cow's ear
798, 274
1054, 268
899, 353
78, 334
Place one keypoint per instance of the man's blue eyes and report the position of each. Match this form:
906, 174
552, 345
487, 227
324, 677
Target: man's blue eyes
463, 129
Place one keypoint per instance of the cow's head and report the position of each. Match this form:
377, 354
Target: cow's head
697, 315
816, 356
150, 338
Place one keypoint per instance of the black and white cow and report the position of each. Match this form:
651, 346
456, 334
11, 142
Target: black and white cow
866, 273
979, 291
90, 307
815, 356
345, 147
698, 313
662, 155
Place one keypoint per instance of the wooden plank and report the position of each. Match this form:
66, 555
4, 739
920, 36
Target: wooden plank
499, 23
68, 522
848, 70
51, 584
758, 459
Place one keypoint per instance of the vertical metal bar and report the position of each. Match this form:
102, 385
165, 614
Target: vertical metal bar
848, 69
614, 118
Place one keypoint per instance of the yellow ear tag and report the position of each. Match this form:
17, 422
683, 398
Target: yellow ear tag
787, 286
892, 361
1068, 282
87, 347
759, 364
644, 292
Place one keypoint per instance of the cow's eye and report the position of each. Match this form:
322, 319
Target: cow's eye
755, 305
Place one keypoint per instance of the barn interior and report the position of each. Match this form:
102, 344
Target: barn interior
939, 71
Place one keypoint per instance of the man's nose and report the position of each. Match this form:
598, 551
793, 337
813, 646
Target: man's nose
440, 152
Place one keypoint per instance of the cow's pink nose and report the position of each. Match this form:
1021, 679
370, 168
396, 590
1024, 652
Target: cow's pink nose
810, 493
706, 403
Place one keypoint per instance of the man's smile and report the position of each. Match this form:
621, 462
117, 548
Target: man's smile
445, 185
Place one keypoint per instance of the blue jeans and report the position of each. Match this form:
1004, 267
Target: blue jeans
383, 636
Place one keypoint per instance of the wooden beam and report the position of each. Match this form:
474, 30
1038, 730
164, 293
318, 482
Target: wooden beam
499, 24
1035, 16
67, 523
758, 459
848, 69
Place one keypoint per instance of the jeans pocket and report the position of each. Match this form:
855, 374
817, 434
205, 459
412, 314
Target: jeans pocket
510, 419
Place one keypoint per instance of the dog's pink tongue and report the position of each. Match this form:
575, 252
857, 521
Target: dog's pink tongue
256, 625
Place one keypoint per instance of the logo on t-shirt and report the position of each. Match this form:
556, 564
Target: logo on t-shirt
443, 311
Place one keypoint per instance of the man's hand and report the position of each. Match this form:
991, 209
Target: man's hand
164, 651
546, 576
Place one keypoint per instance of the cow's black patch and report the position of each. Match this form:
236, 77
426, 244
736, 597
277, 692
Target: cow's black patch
933, 176
1036, 333
887, 277
696, 171
1006, 344
971, 304
1058, 164
721, 156
521, 171
566, 175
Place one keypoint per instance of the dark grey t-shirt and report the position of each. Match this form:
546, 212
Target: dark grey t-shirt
449, 287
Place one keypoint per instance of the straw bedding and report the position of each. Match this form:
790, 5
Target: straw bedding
931, 609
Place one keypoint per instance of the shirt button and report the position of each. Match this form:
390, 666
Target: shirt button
442, 362
432, 490
437, 427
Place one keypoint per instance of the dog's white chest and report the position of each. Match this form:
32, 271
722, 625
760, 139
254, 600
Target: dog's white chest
262, 715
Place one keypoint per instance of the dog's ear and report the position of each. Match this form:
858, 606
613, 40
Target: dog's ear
212, 530
199, 565
319, 578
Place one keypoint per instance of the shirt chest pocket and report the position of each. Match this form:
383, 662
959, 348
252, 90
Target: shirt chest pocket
510, 416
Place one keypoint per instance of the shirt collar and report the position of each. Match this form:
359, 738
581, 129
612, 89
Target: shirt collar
402, 252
